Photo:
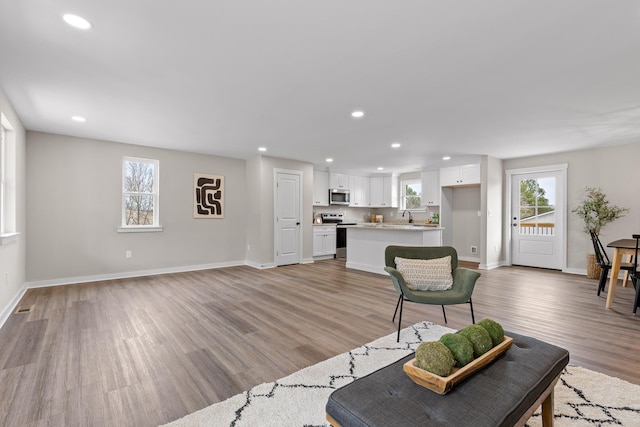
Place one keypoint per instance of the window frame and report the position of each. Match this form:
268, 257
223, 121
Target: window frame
3, 179
403, 197
8, 200
155, 193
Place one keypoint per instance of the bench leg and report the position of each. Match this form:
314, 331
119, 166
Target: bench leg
547, 411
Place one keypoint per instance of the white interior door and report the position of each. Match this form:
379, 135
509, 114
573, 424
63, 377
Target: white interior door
537, 219
287, 217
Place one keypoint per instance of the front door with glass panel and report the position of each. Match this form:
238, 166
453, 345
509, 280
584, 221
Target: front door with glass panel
537, 219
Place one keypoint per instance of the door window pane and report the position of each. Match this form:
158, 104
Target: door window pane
537, 207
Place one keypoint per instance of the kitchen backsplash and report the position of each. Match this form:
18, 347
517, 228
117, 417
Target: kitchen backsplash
364, 215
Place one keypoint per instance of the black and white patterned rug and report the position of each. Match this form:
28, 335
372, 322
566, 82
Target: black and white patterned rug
582, 397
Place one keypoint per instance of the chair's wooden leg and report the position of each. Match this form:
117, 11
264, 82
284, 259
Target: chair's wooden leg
473, 317
444, 314
400, 318
397, 305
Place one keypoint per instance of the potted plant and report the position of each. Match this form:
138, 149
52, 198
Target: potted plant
596, 212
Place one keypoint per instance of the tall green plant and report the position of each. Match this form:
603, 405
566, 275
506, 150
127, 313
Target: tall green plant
596, 212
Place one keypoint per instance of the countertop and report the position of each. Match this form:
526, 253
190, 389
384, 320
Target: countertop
393, 226
385, 226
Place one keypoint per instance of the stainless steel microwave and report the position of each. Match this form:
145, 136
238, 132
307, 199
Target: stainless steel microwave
338, 196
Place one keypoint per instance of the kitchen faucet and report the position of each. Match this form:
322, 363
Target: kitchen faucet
410, 217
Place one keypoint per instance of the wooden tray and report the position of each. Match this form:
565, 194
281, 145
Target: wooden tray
442, 385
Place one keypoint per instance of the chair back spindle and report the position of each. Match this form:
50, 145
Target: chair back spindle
601, 254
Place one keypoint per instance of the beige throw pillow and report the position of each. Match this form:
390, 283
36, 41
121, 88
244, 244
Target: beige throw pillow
426, 274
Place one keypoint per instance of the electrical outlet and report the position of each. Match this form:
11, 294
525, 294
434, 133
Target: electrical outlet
128, 255
474, 249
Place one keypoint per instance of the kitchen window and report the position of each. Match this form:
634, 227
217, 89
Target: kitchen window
140, 195
410, 194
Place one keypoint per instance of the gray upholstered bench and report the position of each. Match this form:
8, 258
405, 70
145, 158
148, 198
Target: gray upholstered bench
505, 393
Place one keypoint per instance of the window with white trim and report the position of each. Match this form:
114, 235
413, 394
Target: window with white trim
8, 228
140, 204
3, 203
410, 194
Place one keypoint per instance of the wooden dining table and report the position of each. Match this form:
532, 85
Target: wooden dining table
620, 247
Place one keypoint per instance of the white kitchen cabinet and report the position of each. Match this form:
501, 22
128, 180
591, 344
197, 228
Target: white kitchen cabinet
359, 191
320, 188
339, 180
324, 240
384, 192
460, 175
430, 189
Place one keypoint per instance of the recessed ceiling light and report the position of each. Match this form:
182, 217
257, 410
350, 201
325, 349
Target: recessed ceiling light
395, 145
446, 158
78, 119
76, 21
380, 168
357, 114
262, 149
329, 159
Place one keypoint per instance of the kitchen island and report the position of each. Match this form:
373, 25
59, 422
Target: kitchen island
366, 243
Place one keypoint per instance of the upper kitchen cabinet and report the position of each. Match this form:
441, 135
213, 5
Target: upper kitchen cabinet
384, 192
359, 188
339, 180
430, 189
320, 188
460, 175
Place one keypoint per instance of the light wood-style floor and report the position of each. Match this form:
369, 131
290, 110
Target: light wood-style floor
145, 351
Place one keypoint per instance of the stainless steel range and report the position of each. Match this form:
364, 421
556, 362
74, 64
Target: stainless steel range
341, 231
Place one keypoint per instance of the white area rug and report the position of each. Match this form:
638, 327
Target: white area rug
582, 397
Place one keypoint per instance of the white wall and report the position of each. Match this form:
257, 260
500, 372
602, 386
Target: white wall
260, 188
492, 212
614, 169
13, 254
74, 198
466, 224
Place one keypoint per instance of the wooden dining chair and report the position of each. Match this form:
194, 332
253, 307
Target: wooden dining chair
635, 274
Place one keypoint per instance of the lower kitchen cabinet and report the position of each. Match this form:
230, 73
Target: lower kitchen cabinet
324, 240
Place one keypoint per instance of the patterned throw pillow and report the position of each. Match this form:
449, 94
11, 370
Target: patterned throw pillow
426, 274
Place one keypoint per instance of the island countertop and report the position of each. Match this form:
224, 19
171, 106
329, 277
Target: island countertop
392, 226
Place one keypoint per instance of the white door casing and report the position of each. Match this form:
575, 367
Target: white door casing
537, 217
288, 211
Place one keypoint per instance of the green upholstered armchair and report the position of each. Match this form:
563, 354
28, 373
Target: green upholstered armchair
464, 279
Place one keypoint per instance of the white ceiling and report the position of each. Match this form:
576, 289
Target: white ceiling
506, 78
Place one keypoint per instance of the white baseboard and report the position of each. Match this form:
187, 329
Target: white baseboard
9, 309
578, 271
260, 266
128, 274
491, 266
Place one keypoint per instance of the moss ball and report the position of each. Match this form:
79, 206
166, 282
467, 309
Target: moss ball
435, 357
495, 330
460, 347
479, 337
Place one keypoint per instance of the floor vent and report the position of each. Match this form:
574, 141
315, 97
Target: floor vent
23, 309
